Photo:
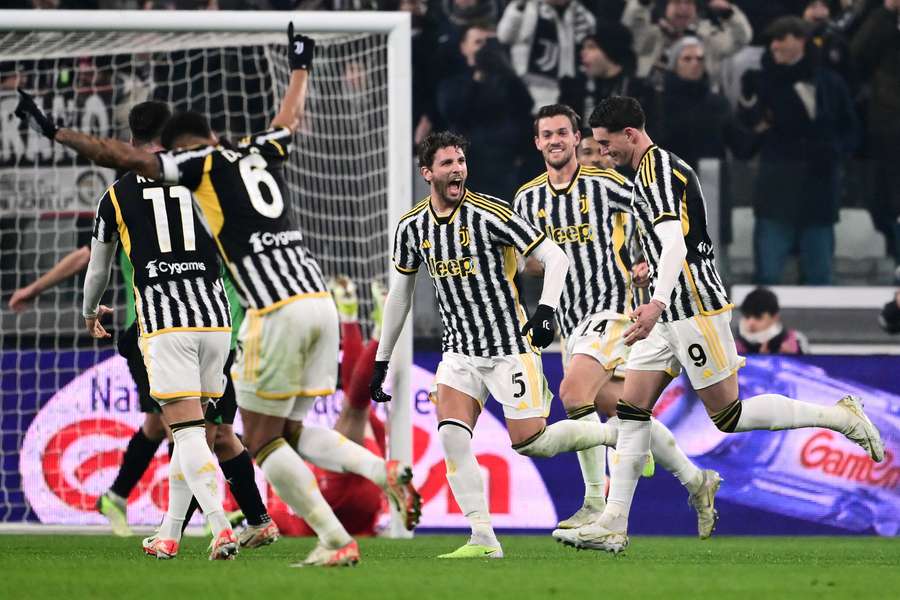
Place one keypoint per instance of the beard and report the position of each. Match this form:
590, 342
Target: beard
560, 160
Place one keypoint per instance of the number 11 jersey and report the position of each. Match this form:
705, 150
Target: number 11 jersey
242, 194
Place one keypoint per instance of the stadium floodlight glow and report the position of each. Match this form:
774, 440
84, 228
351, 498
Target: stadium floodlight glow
350, 175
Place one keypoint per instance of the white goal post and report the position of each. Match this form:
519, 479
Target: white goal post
27, 34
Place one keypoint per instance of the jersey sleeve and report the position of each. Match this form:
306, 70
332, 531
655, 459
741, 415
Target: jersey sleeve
517, 232
106, 226
274, 144
185, 168
619, 192
664, 185
406, 257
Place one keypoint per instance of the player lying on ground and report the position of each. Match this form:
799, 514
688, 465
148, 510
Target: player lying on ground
689, 300
467, 241
585, 211
354, 478
289, 337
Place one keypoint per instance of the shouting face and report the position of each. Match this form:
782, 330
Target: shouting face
447, 174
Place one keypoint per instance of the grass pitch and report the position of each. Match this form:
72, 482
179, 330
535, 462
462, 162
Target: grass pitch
69, 567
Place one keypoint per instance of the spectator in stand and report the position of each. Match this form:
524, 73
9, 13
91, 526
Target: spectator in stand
806, 127
889, 319
543, 36
760, 330
724, 31
830, 41
488, 104
762, 13
698, 122
875, 50
607, 69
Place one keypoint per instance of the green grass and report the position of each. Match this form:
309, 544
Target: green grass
67, 567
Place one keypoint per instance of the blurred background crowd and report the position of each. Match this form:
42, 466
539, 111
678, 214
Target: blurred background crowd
793, 106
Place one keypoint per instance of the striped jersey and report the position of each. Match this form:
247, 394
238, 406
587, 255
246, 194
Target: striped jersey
175, 273
667, 188
471, 258
590, 219
242, 195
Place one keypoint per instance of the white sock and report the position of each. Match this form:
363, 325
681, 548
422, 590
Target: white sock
464, 477
296, 485
568, 436
774, 411
625, 470
179, 499
672, 458
328, 449
593, 466
198, 465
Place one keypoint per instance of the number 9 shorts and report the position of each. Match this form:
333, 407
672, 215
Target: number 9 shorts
702, 345
515, 381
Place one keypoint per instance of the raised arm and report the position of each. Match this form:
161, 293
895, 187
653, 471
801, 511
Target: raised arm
300, 54
105, 152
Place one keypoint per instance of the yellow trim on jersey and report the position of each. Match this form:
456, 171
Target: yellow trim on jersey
177, 329
533, 380
661, 216
490, 202
703, 311
680, 176
453, 214
685, 220
647, 167
417, 208
534, 244
510, 268
406, 271
280, 303
502, 212
539, 180
712, 341
302, 393
608, 173
618, 240
120, 221
211, 207
279, 147
554, 192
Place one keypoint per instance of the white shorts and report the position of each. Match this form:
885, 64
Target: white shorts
516, 381
703, 346
286, 353
600, 337
185, 364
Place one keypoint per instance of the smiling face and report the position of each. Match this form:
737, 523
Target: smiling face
557, 140
447, 174
618, 146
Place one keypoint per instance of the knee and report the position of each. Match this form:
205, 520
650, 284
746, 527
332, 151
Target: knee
153, 427
533, 445
573, 395
726, 420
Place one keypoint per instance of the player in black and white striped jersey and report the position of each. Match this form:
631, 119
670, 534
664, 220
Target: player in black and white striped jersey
694, 332
468, 242
586, 211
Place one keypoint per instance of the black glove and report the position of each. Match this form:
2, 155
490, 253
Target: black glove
541, 326
378, 375
889, 319
34, 117
300, 50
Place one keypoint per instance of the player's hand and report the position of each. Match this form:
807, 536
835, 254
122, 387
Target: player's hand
645, 317
541, 326
300, 50
378, 376
22, 298
640, 274
29, 112
94, 328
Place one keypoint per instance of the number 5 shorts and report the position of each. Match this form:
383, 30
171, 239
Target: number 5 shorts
702, 345
287, 355
515, 381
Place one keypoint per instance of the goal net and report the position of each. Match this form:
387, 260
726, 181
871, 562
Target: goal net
69, 406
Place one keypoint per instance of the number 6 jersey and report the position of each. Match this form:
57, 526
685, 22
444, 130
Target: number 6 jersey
176, 272
241, 193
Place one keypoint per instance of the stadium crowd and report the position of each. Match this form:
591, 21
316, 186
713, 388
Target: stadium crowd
808, 91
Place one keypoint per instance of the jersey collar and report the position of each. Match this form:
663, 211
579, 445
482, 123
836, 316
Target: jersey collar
556, 192
449, 218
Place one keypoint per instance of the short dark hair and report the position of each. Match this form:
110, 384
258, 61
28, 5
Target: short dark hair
558, 110
185, 123
618, 112
436, 140
147, 120
785, 26
759, 302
